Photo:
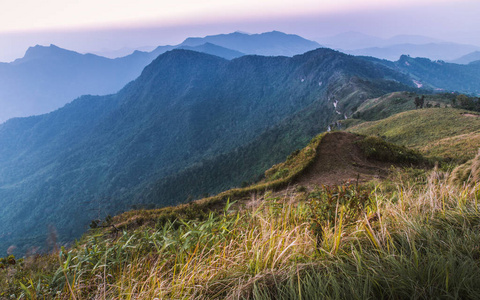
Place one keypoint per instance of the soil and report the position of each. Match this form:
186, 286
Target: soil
339, 159
470, 115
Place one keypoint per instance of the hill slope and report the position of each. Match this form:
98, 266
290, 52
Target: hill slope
443, 132
275, 242
397, 102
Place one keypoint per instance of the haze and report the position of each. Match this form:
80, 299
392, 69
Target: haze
103, 26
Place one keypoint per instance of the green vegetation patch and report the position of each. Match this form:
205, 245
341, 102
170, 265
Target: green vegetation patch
376, 148
422, 128
397, 102
326, 203
295, 162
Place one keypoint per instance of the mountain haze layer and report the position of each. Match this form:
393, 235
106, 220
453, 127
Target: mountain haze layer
468, 58
356, 40
48, 77
357, 43
434, 51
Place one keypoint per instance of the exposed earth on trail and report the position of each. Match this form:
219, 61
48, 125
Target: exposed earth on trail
340, 159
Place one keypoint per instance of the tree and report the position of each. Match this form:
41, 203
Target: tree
465, 102
419, 102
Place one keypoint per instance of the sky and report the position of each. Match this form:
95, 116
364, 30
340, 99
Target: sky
101, 26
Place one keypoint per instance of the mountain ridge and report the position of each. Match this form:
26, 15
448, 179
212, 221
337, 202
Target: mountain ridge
468, 58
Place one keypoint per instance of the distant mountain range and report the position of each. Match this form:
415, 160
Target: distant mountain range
437, 75
466, 59
434, 51
355, 40
273, 43
213, 49
46, 78
189, 117
356, 43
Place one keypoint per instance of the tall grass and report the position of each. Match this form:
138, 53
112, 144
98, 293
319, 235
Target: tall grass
410, 237
424, 245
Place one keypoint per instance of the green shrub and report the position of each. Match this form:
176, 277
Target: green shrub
327, 203
280, 174
377, 149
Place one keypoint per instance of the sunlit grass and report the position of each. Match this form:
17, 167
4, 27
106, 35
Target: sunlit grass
443, 132
413, 236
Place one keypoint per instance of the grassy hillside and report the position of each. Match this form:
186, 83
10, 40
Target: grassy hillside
410, 236
468, 172
397, 102
439, 132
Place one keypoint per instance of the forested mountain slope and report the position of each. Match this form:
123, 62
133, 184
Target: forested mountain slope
101, 155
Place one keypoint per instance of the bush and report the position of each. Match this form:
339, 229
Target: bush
329, 202
376, 148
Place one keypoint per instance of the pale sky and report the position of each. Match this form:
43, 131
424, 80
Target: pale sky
25, 15
93, 25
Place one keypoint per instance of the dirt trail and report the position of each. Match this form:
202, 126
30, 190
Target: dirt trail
340, 159
470, 115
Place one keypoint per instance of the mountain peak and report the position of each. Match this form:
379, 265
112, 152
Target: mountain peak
274, 43
177, 61
275, 32
39, 51
242, 32
216, 50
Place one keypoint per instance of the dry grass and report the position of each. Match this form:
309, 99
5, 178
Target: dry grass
407, 240
459, 147
467, 173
